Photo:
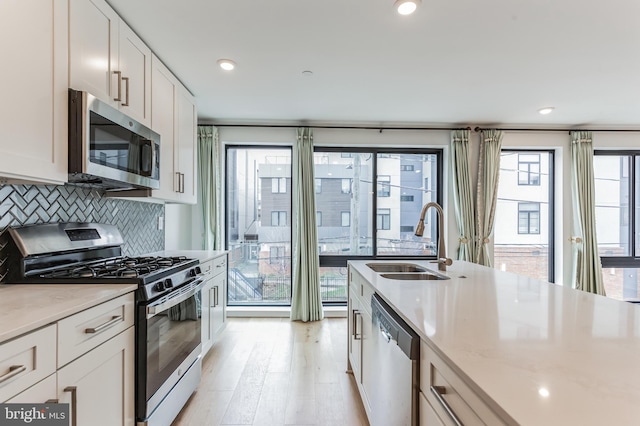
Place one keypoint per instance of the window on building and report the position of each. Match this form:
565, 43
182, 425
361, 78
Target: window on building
318, 218
277, 254
407, 228
346, 186
406, 198
523, 231
384, 186
406, 167
278, 218
617, 200
528, 169
345, 219
528, 218
278, 185
318, 185
258, 235
384, 219
346, 155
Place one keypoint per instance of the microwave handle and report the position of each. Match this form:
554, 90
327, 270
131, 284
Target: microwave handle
152, 155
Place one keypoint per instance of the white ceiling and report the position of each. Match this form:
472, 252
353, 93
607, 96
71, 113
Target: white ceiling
462, 62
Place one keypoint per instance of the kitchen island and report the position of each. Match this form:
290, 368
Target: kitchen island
532, 353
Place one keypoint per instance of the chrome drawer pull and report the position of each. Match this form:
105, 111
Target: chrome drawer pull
14, 370
113, 321
438, 391
119, 97
126, 96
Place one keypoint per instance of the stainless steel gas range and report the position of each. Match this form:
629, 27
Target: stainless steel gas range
168, 317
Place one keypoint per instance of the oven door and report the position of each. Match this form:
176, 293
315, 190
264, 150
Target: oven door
169, 342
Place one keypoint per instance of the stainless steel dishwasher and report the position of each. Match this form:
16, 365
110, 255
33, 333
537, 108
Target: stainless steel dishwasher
395, 361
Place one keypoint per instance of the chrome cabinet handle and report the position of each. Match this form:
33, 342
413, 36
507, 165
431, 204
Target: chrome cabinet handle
356, 336
177, 182
212, 297
126, 92
438, 391
182, 187
119, 97
74, 404
52, 401
215, 294
113, 321
14, 370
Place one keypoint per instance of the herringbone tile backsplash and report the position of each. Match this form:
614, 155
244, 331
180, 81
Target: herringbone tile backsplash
25, 205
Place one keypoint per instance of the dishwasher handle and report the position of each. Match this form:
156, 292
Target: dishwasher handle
393, 328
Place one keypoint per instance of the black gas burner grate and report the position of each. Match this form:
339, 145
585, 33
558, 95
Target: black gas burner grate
120, 267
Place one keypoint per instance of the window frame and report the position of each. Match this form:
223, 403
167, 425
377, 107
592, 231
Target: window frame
528, 171
337, 261
386, 184
633, 259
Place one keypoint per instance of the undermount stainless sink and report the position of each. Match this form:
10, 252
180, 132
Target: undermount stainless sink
396, 267
415, 276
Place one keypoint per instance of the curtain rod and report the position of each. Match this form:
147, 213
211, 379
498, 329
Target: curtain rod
511, 129
380, 128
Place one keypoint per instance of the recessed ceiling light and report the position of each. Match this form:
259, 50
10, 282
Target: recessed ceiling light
226, 64
406, 7
545, 110
307, 73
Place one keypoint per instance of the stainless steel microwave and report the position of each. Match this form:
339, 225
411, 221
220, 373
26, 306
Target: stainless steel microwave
108, 149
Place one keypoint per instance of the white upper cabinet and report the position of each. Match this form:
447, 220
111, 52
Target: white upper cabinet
108, 60
174, 118
33, 111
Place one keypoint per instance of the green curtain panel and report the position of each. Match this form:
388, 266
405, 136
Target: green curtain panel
487, 191
209, 186
587, 269
463, 195
306, 301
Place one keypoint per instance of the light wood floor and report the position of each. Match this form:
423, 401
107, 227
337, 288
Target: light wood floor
272, 371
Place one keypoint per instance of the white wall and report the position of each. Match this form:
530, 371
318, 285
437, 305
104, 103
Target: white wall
178, 224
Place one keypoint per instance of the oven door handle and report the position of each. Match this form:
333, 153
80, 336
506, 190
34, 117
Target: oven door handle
163, 306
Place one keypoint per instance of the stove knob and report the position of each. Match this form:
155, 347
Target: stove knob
159, 286
198, 270
192, 272
168, 283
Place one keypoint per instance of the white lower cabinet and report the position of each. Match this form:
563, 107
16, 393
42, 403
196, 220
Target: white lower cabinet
93, 370
214, 298
99, 385
359, 350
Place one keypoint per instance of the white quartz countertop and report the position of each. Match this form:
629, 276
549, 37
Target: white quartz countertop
26, 307
518, 339
201, 255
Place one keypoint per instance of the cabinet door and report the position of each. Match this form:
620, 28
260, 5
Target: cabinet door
93, 49
134, 63
206, 302
100, 384
187, 154
33, 111
367, 367
163, 121
355, 335
218, 310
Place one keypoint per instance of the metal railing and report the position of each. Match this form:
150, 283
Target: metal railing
277, 290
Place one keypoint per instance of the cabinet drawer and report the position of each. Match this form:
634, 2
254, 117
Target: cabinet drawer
26, 360
449, 396
80, 333
214, 266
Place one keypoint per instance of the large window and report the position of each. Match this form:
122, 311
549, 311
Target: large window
258, 209
617, 199
377, 216
524, 214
